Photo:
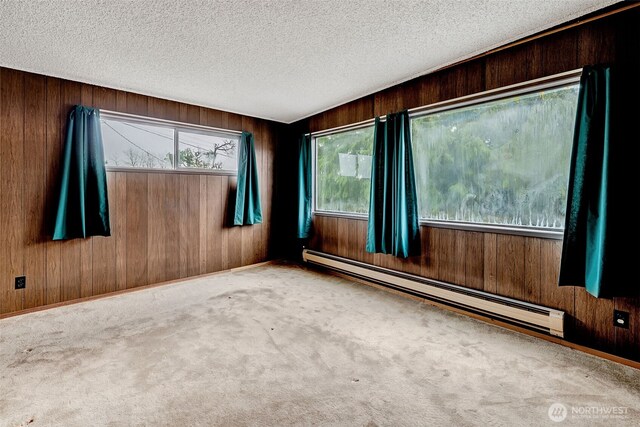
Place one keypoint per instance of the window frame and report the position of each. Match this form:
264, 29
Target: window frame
177, 128
565, 79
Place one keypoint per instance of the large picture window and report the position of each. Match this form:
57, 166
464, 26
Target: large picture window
343, 171
498, 160
141, 143
503, 162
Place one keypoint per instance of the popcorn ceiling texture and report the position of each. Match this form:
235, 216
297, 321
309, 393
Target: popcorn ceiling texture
281, 60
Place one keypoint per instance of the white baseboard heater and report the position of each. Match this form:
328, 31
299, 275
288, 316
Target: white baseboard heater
507, 309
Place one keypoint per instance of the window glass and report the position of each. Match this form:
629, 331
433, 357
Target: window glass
502, 162
136, 145
207, 151
343, 171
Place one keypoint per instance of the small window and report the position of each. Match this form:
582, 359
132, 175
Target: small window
343, 171
141, 143
207, 151
137, 145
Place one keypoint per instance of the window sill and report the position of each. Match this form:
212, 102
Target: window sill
543, 233
172, 171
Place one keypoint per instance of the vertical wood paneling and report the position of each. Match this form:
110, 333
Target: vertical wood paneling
457, 82
459, 257
343, 236
594, 320
202, 232
257, 246
515, 65
430, 252
137, 104
214, 215
331, 241
189, 114
224, 230
119, 222
104, 249
388, 101
447, 256
490, 263
268, 166
627, 341
532, 269
137, 214
189, 225
315, 242
474, 261
163, 109
11, 188
172, 236
34, 178
412, 265
353, 112
70, 250
235, 233
53, 153
246, 244
119, 227
86, 245
156, 228
552, 295
510, 259
596, 43
560, 53
354, 249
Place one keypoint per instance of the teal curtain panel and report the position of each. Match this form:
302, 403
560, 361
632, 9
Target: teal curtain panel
595, 203
83, 203
248, 210
393, 207
304, 187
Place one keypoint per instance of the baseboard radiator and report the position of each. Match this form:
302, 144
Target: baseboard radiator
510, 310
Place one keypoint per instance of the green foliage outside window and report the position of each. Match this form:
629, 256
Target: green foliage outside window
344, 189
502, 162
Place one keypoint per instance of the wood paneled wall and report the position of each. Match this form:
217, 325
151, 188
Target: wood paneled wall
164, 225
520, 267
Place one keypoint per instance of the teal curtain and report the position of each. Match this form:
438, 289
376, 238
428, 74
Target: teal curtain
248, 210
393, 207
595, 223
83, 203
304, 186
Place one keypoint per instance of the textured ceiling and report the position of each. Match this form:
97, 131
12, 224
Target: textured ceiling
281, 60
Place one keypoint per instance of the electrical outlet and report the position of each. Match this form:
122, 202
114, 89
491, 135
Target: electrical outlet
621, 319
21, 282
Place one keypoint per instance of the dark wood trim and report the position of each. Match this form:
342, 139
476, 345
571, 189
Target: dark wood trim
617, 8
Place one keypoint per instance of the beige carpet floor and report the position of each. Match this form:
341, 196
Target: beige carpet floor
280, 345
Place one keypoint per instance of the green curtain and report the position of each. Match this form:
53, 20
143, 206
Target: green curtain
595, 216
83, 204
248, 209
304, 186
393, 207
